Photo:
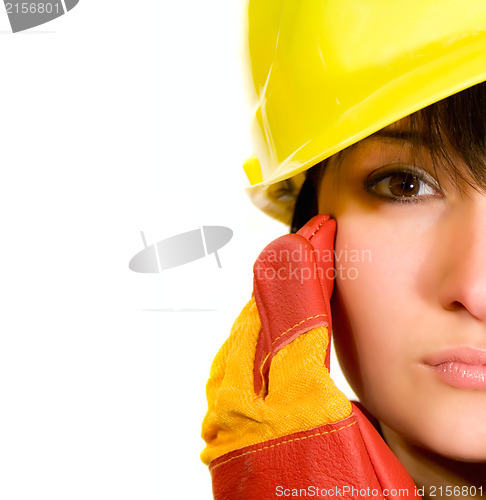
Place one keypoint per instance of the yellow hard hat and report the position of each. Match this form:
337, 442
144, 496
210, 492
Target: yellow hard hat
327, 73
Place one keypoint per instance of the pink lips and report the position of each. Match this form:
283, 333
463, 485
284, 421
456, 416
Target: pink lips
460, 367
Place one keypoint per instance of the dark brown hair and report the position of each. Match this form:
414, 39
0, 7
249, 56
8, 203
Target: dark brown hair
457, 123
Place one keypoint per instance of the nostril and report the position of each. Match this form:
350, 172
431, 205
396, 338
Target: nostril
455, 306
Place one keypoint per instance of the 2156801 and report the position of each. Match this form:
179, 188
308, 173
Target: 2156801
455, 491
33, 8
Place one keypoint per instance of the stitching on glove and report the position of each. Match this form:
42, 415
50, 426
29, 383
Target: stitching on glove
318, 227
282, 442
296, 325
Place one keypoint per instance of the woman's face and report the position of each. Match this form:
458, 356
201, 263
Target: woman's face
410, 322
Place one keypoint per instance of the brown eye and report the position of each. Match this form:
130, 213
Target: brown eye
404, 184
401, 184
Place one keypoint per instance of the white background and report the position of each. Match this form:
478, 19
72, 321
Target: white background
116, 118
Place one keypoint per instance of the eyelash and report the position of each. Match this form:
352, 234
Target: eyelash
420, 175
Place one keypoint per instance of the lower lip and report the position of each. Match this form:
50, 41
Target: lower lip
462, 375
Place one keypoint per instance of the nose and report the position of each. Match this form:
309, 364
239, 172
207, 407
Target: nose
463, 278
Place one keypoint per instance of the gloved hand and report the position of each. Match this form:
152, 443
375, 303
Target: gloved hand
276, 422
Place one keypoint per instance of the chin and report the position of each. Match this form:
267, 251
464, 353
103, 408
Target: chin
463, 445
455, 430
461, 452
431, 418
459, 426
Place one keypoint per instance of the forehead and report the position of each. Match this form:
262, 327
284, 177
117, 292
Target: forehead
406, 133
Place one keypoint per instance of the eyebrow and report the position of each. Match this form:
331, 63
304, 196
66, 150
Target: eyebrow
412, 136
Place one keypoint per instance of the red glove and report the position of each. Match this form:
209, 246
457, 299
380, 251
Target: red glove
276, 423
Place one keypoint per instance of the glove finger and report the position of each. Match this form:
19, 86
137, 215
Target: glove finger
292, 289
293, 284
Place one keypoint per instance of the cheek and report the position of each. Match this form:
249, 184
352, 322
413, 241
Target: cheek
377, 302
